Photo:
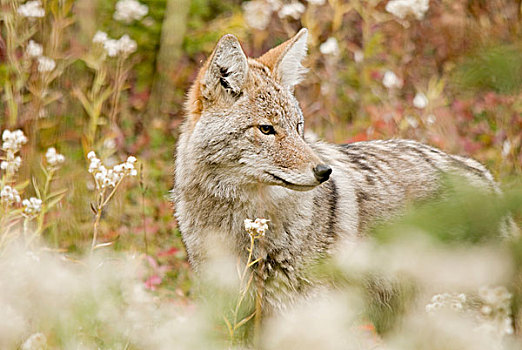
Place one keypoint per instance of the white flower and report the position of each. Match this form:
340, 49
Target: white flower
420, 101
36, 341
412, 121
506, 148
431, 119
257, 14
31, 9
114, 47
358, 56
130, 10
402, 8
34, 49
110, 177
13, 140
100, 37
126, 45
256, 227
54, 158
390, 80
330, 47
32, 206
46, 64
9, 195
294, 10
316, 2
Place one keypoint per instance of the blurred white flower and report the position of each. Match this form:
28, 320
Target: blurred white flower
110, 177
358, 56
9, 195
452, 301
100, 37
316, 2
257, 14
402, 8
506, 148
274, 4
32, 206
46, 64
13, 140
34, 49
330, 47
257, 227
431, 119
412, 121
130, 10
390, 80
31, 9
294, 10
420, 101
36, 341
54, 158
125, 45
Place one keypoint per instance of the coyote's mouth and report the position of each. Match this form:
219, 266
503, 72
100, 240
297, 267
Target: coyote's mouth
285, 183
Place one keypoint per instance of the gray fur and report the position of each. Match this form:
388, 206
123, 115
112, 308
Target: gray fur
228, 171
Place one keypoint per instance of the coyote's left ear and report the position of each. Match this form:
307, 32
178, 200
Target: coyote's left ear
285, 60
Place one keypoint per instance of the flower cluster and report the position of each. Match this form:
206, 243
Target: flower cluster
32, 206
330, 47
34, 49
391, 80
402, 8
35, 341
110, 177
9, 195
46, 64
257, 227
453, 301
420, 100
293, 10
125, 45
54, 158
130, 10
257, 14
31, 9
12, 143
496, 310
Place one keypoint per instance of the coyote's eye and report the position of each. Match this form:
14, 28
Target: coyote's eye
267, 129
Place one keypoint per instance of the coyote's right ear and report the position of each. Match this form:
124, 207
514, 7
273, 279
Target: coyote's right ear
226, 70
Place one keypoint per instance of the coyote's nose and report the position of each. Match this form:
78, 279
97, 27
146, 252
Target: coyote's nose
322, 172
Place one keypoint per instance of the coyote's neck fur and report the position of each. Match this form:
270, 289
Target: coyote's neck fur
242, 155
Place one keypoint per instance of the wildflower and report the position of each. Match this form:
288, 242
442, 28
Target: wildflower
130, 10
54, 158
420, 100
126, 45
31, 9
256, 227
294, 10
110, 177
412, 121
100, 37
390, 80
316, 2
13, 140
46, 64
9, 195
32, 206
34, 49
402, 8
330, 47
358, 56
431, 119
506, 148
12, 163
36, 341
257, 14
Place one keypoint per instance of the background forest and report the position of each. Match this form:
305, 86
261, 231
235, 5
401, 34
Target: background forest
90, 254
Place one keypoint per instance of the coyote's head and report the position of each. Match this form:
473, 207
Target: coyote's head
244, 123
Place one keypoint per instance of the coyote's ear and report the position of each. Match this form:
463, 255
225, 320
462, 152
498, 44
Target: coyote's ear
285, 60
226, 69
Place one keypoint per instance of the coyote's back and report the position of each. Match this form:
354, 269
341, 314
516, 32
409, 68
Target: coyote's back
242, 154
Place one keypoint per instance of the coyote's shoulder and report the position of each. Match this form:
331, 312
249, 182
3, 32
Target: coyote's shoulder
242, 154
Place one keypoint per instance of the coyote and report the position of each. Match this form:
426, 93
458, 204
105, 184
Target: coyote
242, 154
